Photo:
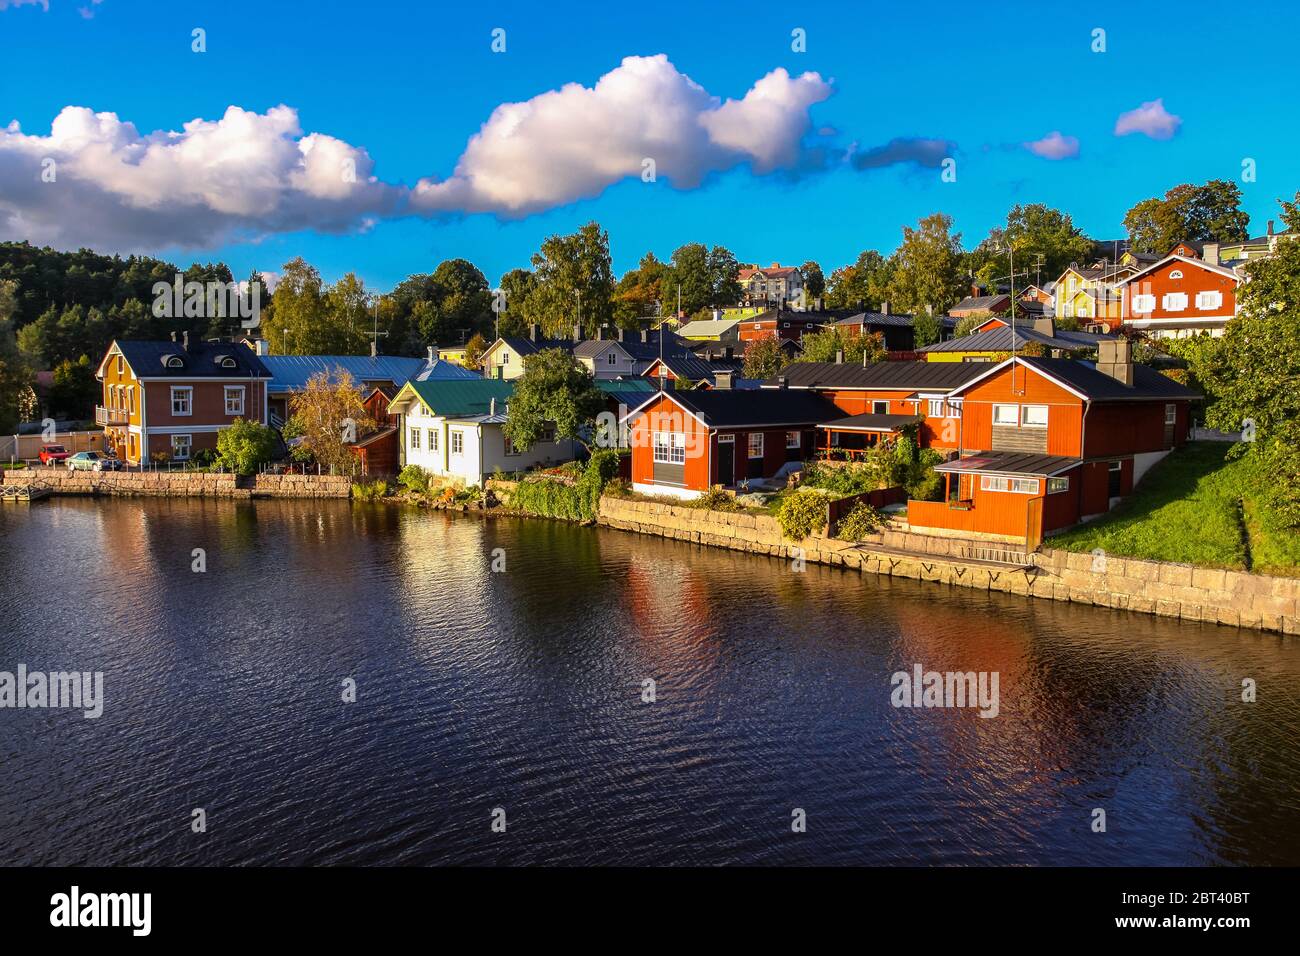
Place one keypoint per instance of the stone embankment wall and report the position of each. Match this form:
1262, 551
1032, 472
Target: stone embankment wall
1152, 587
179, 484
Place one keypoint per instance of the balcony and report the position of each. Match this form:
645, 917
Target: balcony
110, 416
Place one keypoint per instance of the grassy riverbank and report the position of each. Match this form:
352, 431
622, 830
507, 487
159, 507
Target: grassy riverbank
1195, 507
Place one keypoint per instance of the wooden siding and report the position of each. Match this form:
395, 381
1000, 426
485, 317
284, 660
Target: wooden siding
1064, 413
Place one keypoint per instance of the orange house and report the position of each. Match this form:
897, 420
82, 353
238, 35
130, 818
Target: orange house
684, 443
1046, 443
172, 398
1180, 296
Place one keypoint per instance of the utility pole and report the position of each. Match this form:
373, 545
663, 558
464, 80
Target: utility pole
375, 334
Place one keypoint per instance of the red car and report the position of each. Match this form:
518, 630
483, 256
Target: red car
53, 454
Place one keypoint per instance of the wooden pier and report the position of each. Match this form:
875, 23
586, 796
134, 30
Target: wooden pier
29, 492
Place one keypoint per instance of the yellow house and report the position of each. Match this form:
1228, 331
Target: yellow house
1090, 294
454, 354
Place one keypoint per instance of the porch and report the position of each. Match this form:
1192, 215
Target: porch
857, 436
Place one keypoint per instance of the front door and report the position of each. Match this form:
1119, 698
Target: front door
726, 460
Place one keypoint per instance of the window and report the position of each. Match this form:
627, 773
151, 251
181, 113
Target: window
130, 400
181, 447
1021, 486
415, 438
433, 439
227, 362
511, 450
1209, 300
182, 400
1171, 413
880, 408
1033, 416
1006, 414
726, 439
1057, 485
755, 444
457, 443
670, 448
235, 400
792, 439
612, 358
1174, 301
1176, 274
505, 358
1144, 303
120, 365
174, 361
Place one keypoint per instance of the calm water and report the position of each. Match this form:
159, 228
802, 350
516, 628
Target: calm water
521, 690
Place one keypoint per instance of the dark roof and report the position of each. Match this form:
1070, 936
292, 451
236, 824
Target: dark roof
290, 373
1000, 339
871, 423
732, 408
148, 359
892, 320
522, 345
974, 303
902, 376
1083, 377
698, 369
1010, 463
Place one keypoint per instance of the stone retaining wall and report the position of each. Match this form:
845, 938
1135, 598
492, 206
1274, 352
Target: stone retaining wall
1151, 587
180, 484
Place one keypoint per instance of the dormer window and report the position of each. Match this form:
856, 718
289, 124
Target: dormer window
1176, 274
174, 361
226, 361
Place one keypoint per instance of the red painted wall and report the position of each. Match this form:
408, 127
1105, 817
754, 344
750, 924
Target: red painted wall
1196, 278
1064, 412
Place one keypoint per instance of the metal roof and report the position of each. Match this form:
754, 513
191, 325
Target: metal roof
148, 359
871, 423
456, 398
1009, 463
1000, 339
291, 372
888, 376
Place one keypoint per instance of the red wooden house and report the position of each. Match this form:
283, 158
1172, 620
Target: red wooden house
380, 451
1046, 443
1180, 296
684, 443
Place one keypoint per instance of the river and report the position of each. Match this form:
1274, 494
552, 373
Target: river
522, 690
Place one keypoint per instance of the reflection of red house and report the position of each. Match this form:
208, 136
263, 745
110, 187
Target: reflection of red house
1046, 443
379, 452
683, 443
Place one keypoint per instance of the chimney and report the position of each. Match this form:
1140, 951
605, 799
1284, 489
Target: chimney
263, 347
781, 382
577, 331
1115, 358
173, 335
929, 310
620, 334
839, 356
374, 348
722, 379
1210, 253
185, 340
645, 336
532, 332
865, 362
728, 352
492, 405
884, 308
600, 333
1270, 227
1045, 325
431, 355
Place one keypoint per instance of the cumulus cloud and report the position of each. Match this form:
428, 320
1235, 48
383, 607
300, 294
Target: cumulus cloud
1151, 119
573, 143
239, 177
1054, 146
929, 153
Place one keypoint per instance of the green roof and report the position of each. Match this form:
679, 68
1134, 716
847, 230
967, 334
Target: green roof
462, 398
622, 386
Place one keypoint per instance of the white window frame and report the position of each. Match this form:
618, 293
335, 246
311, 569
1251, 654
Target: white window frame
751, 446
1174, 302
121, 364
797, 441
433, 439
1210, 299
239, 389
457, 442
875, 406
187, 444
1024, 416
187, 393
1144, 303
1176, 274
1000, 408
1019, 486
669, 448
1171, 413
727, 439
413, 440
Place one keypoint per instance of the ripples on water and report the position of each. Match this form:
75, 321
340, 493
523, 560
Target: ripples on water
522, 690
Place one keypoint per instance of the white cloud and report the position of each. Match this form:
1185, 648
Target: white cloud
573, 143
240, 177
6, 4
1054, 146
1151, 119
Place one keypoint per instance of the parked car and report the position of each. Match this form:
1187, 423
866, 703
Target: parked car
92, 461
53, 454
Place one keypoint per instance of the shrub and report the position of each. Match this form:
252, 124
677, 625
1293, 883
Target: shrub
370, 490
861, 522
245, 446
715, 499
414, 479
801, 514
555, 496
922, 482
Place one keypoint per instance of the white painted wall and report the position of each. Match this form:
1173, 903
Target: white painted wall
483, 449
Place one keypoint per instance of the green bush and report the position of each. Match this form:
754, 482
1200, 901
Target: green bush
715, 499
578, 500
801, 514
245, 446
861, 522
370, 490
414, 479
854, 479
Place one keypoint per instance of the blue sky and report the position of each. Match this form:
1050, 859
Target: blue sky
410, 84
